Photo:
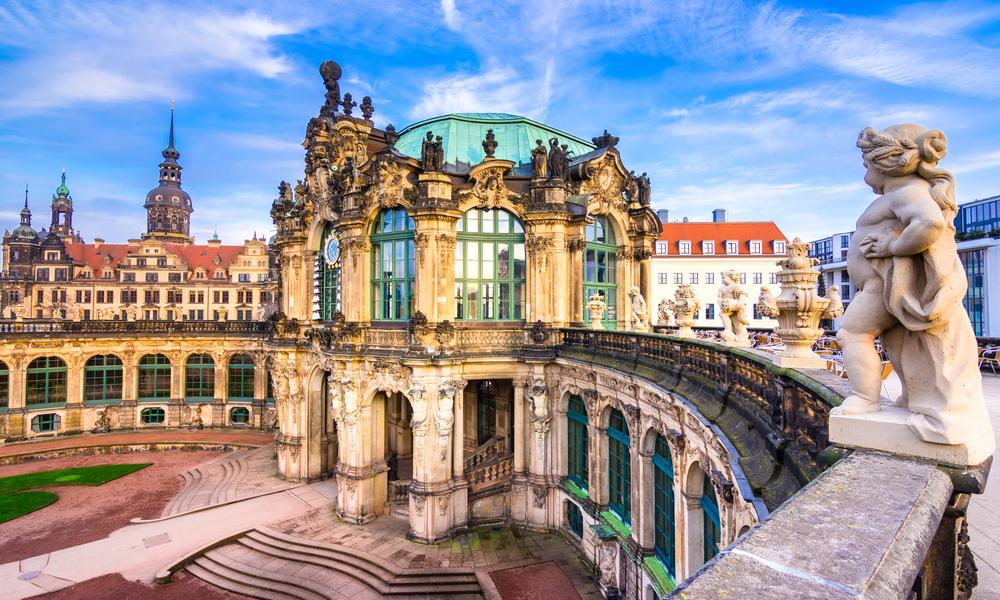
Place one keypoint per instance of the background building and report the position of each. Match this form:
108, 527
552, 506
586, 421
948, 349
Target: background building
696, 253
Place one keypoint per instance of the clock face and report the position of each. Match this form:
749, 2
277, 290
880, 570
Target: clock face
332, 251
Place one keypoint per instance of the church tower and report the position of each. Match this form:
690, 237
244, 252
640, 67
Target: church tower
168, 207
62, 212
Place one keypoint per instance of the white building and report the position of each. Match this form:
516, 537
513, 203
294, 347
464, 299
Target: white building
697, 254
832, 254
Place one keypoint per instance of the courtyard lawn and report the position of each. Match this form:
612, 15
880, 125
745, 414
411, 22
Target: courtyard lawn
16, 504
76, 476
15, 501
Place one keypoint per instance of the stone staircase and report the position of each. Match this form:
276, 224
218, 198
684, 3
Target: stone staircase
233, 476
269, 564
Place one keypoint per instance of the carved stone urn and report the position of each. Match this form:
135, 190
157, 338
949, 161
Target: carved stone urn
684, 306
800, 308
596, 307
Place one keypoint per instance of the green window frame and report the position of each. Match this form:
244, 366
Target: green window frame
712, 527
619, 468
577, 442
486, 411
600, 268
393, 271
45, 381
241, 377
574, 519
46, 422
199, 378
4, 385
154, 378
326, 279
154, 415
103, 379
663, 504
239, 415
490, 266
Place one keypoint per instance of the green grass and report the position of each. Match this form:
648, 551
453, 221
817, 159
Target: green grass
17, 504
75, 476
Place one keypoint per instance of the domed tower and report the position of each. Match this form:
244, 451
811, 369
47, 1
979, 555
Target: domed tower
62, 211
168, 207
23, 244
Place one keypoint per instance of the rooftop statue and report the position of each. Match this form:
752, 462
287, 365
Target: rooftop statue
558, 161
330, 71
367, 108
348, 104
733, 310
390, 134
539, 160
427, 152
438, 153
911, 284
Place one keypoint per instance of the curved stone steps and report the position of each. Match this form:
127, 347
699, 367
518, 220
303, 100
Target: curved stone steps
265, 562
221, 480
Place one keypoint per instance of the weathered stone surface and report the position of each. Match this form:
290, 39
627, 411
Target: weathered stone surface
842, 536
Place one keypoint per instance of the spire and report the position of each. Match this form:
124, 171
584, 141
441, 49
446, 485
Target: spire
62, 191
26, 212
170, 154
171, 144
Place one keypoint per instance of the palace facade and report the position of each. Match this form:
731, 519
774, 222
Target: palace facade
428, 276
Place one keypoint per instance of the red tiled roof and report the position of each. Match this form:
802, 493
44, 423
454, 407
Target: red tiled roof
194, 255
741, 231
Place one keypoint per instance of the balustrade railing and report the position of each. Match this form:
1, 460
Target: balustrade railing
496, 446
493, 474
48, 327
399, 491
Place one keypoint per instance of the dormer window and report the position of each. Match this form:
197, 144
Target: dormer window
779, 247
708, 247
661, 247
684, 247
732, 247
756, 247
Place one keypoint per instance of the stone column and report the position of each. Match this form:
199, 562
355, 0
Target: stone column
575, 312
519, 427
73, 420
17, 422
643, 500
598, 456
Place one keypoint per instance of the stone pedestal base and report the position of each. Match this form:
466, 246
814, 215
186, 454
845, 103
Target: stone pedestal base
888, 431
798, 362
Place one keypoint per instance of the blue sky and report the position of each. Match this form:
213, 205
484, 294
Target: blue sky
753, 107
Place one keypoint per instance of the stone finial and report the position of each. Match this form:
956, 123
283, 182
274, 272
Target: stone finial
367, 108
490, 143
904, 259
331, 72
390, 135
684, 306
596, 307
348, 104
733, 310
606, 140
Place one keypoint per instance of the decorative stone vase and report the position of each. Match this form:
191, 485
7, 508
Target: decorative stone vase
684, 306
800, 308
596, 307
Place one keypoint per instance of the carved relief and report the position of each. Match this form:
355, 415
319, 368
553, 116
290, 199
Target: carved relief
604, 180
539, 495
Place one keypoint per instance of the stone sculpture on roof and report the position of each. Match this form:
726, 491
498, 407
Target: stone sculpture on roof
539, 160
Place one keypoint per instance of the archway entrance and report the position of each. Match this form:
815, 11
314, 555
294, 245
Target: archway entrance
398, 453
488, 441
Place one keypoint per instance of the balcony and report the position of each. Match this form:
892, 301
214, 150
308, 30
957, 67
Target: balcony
47, 328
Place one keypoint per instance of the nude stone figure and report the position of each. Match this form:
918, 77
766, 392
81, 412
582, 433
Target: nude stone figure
733, 310
911, 284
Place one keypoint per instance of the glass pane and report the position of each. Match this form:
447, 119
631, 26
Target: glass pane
488, 257
503, 262
488, 298
503, 222
472, 225
472, 261
459, 260
488, 217
601, 267
503, 302
519, 261
410, 255
459, 302
589, 265
472, 294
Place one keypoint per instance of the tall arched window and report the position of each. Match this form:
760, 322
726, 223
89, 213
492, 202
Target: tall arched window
199, 378
4, 385
393, 257
241, 374
45, 381
102, 379
599, 276
663, 503
713, 530
154, 378
577, 442
326, 276
619, 467
489, 266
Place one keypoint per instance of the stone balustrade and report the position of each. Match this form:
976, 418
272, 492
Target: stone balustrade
42, 328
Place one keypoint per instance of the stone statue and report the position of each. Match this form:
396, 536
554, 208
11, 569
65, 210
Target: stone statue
427, 152
640, 319
367, 108
733, 310
766, 304
684, 306
642, 183
490, 143
438, 154
911, 285
330, 71
558, 161
538, 160
390, 135
663, 313
596, 307
606, 140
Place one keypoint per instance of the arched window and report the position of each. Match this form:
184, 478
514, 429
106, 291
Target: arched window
393, 257
599, 275
239, 415
269, 395
102, 379
577, 441
663, 503
241, 373
4, 385
326, 276
713, 530
486, 411
199, 378
489, 266
152, 415
154, 378
619, 468
45, 381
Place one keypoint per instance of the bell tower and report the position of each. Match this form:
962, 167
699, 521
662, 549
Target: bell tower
62, 211
168, 207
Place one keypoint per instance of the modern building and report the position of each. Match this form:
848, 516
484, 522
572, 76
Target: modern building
832, 255
696, 253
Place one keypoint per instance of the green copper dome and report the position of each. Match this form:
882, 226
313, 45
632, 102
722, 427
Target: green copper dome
62, 191
462, 136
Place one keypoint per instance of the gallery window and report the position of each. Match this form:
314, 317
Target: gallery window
154, 378
489, 266
713, 530
45, 423
102, 379
599, 276
241, 377
663, 503
199, 378
486, 411
326, 276
577, 442
393, 257
45, 381
239, 415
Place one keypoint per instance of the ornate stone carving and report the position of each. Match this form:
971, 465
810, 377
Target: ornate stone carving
539, 248
419, 501
443, 502
608, 564
767, 306
605, 181
733, 310
541, 416
539, 333
389, 186
490, 144
444, 415
640, 317
388, 375
421, 240
724, 486
446, 248
540, 494
488, 187
595, 308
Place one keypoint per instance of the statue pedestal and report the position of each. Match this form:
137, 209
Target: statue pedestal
888, 431
799, 362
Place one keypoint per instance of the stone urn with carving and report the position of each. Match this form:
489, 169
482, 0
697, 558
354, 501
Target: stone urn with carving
800, 308
684, 306
596, 307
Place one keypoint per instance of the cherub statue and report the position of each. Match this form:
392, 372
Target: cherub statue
767, 306
911, 283
663, 313
733, 310
331, 72
640, 319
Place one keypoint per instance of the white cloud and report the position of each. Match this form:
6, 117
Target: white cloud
495, 89
451, 15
